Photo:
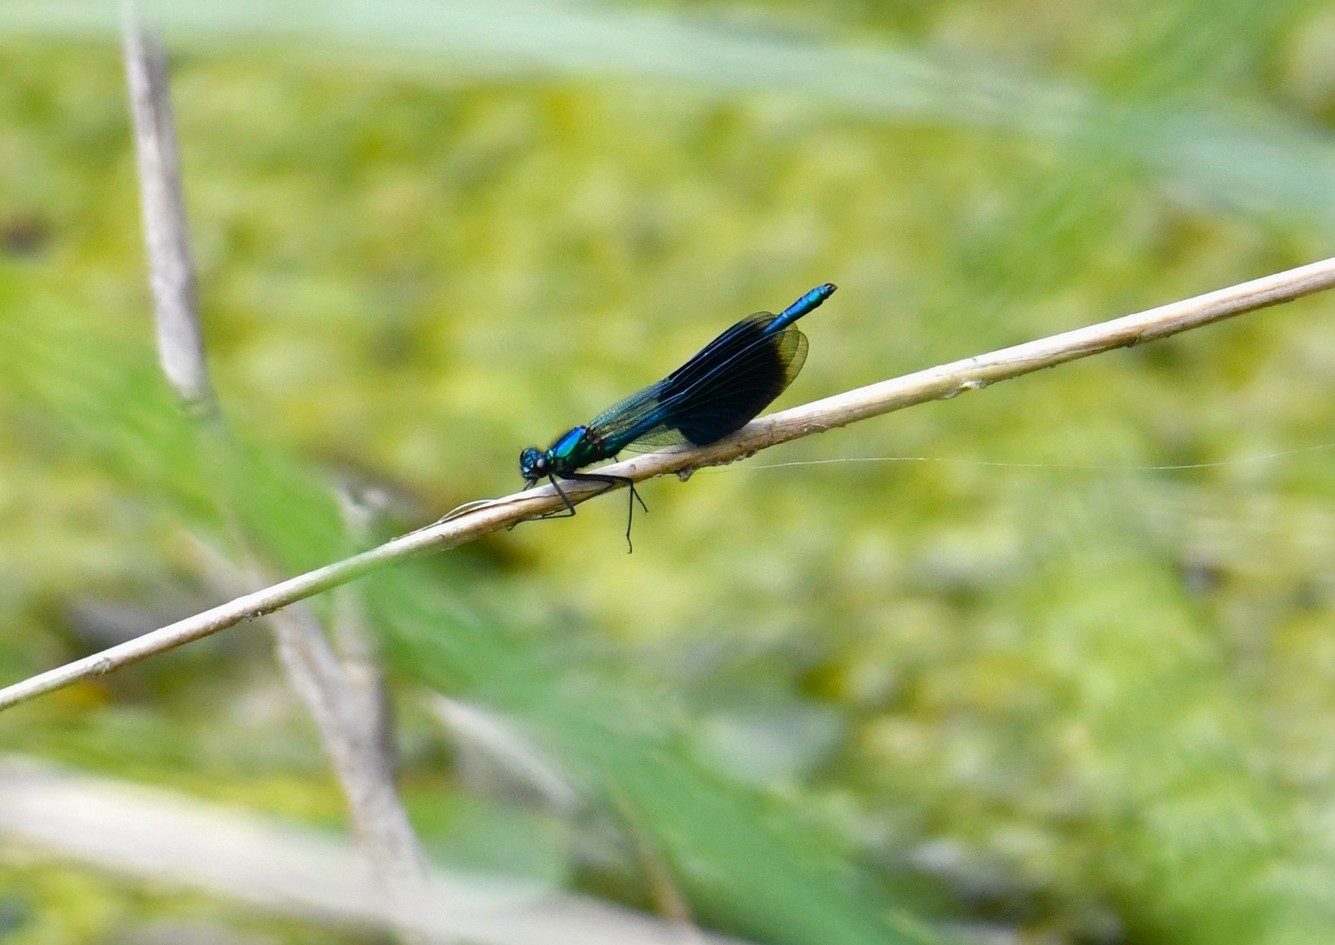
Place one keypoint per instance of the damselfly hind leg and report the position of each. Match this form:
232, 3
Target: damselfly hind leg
611, 481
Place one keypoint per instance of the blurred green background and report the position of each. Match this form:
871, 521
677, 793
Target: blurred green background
1056, 667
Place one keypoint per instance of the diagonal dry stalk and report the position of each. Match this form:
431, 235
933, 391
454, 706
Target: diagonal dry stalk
343, 697
480, 518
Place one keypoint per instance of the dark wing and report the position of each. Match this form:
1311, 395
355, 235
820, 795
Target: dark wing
731, 379
723, 386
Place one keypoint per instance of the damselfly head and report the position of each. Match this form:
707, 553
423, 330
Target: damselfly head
532, 464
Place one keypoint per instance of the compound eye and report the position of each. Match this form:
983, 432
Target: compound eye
532, 464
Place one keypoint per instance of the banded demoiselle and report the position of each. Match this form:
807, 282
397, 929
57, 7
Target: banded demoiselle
719, 390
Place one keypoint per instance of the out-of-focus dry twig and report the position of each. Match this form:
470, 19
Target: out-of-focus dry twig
171, 267
352, 722
162, 837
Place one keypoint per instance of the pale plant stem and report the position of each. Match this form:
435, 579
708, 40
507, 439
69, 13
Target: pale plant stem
480, 518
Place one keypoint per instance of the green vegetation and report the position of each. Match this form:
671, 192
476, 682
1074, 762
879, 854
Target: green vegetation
1060, 661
